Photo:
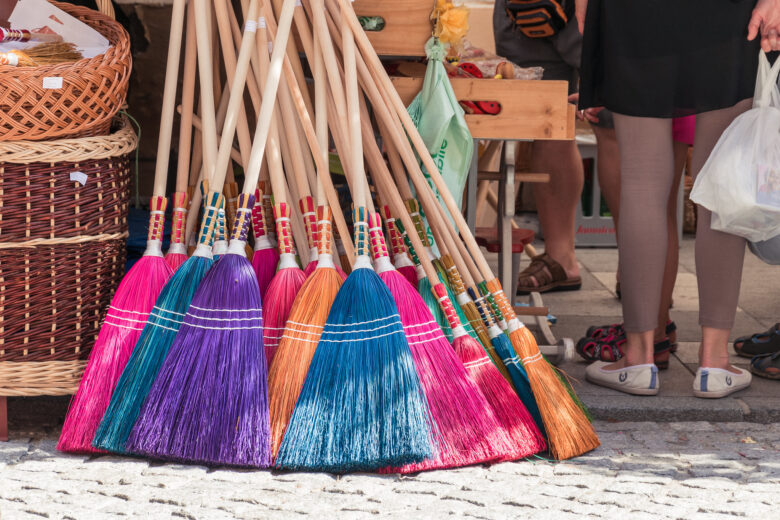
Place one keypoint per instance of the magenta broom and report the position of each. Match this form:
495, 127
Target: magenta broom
265, 258
177, 252
136, 294
403, 264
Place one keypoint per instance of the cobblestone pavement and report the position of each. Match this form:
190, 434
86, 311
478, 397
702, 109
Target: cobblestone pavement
644, 470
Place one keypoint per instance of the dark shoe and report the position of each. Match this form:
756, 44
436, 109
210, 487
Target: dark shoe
661, 352
610, 349
760, 344
549, 275
767, 366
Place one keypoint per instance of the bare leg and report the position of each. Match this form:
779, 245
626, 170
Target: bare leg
647, 175
673, 245
719, 256
609, 168
556, 201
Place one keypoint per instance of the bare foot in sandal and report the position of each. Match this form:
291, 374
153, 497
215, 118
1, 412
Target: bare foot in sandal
545, 274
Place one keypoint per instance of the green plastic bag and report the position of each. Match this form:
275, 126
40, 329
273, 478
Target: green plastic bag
440, 120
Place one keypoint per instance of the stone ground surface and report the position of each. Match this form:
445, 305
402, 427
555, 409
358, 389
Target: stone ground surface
724, 466
692, 471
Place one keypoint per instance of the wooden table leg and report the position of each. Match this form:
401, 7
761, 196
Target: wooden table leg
3, 419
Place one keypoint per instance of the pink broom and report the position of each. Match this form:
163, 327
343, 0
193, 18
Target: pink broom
136, 294
266, 257
401, 260
289, 278
177, 251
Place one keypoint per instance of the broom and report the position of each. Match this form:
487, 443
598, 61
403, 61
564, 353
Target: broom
568, 429
217, 363
42, 54
466, 431
135, 295
310, 309
361, 406
177, 251
289, 278
265, 257
175, 298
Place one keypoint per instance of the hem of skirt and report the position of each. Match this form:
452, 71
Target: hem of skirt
680, 113
716, 324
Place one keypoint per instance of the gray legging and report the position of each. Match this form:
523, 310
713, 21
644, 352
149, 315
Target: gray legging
647, 172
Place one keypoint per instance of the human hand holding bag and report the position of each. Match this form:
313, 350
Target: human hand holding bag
740, 182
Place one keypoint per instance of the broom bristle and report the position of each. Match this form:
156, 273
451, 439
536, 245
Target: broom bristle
466, 429
503, 348
296, 348
127, 314
264, 262
361, 406
148, 355
176, 260
509, 409
410, 273
313, 266
278, 302
425, 289
472, 314
209, 403
569, 432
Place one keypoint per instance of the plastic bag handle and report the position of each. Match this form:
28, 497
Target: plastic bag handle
766, 83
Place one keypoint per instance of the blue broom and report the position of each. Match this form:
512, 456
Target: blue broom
362, 405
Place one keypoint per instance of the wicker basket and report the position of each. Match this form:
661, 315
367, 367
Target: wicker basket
93, 89
62, 254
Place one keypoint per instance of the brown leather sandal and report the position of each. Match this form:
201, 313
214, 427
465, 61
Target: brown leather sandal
549, 275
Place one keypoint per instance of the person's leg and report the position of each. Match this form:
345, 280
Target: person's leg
673, 243
556, 201
647, 174
719, 255
609, 168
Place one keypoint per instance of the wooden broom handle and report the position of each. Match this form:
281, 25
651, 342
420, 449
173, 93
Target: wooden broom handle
209, 131
353, 113
169, 97
235, 103
231, 68
269, 101
394, 99
320, 116
187, 103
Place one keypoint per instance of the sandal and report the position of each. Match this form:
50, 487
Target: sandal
761, 344
767, 366
549, 275
616, 329
610, 349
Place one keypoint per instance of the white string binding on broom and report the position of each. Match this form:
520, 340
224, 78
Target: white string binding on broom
224, 310
477, 363
532, 359
391, 317
355, 340
195, 316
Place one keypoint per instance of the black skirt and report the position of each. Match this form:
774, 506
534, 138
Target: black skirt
667, 58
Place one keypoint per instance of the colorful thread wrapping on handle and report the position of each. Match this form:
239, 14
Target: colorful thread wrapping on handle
409, 247
15, 35
482, 308
212, 203
268, 208
361, 232
324, 230
258, 217
440, 292
180, 204
413, 207
284, 229
157, 218
220, 234
243, 217
456, 282
231, 197
378, 244
491, 301
396, 240
309, 220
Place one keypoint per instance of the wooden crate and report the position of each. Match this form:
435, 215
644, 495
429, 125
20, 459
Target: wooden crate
407, 25
529, 109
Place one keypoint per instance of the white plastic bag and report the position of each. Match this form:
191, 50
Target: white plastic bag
740, 182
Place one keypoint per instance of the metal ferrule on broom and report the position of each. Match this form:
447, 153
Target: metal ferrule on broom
178, 225
156, 223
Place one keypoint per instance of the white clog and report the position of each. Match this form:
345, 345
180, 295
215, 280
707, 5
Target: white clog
636, 380
712, 383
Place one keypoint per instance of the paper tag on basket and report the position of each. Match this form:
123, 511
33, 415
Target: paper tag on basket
52, 82
79, 177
